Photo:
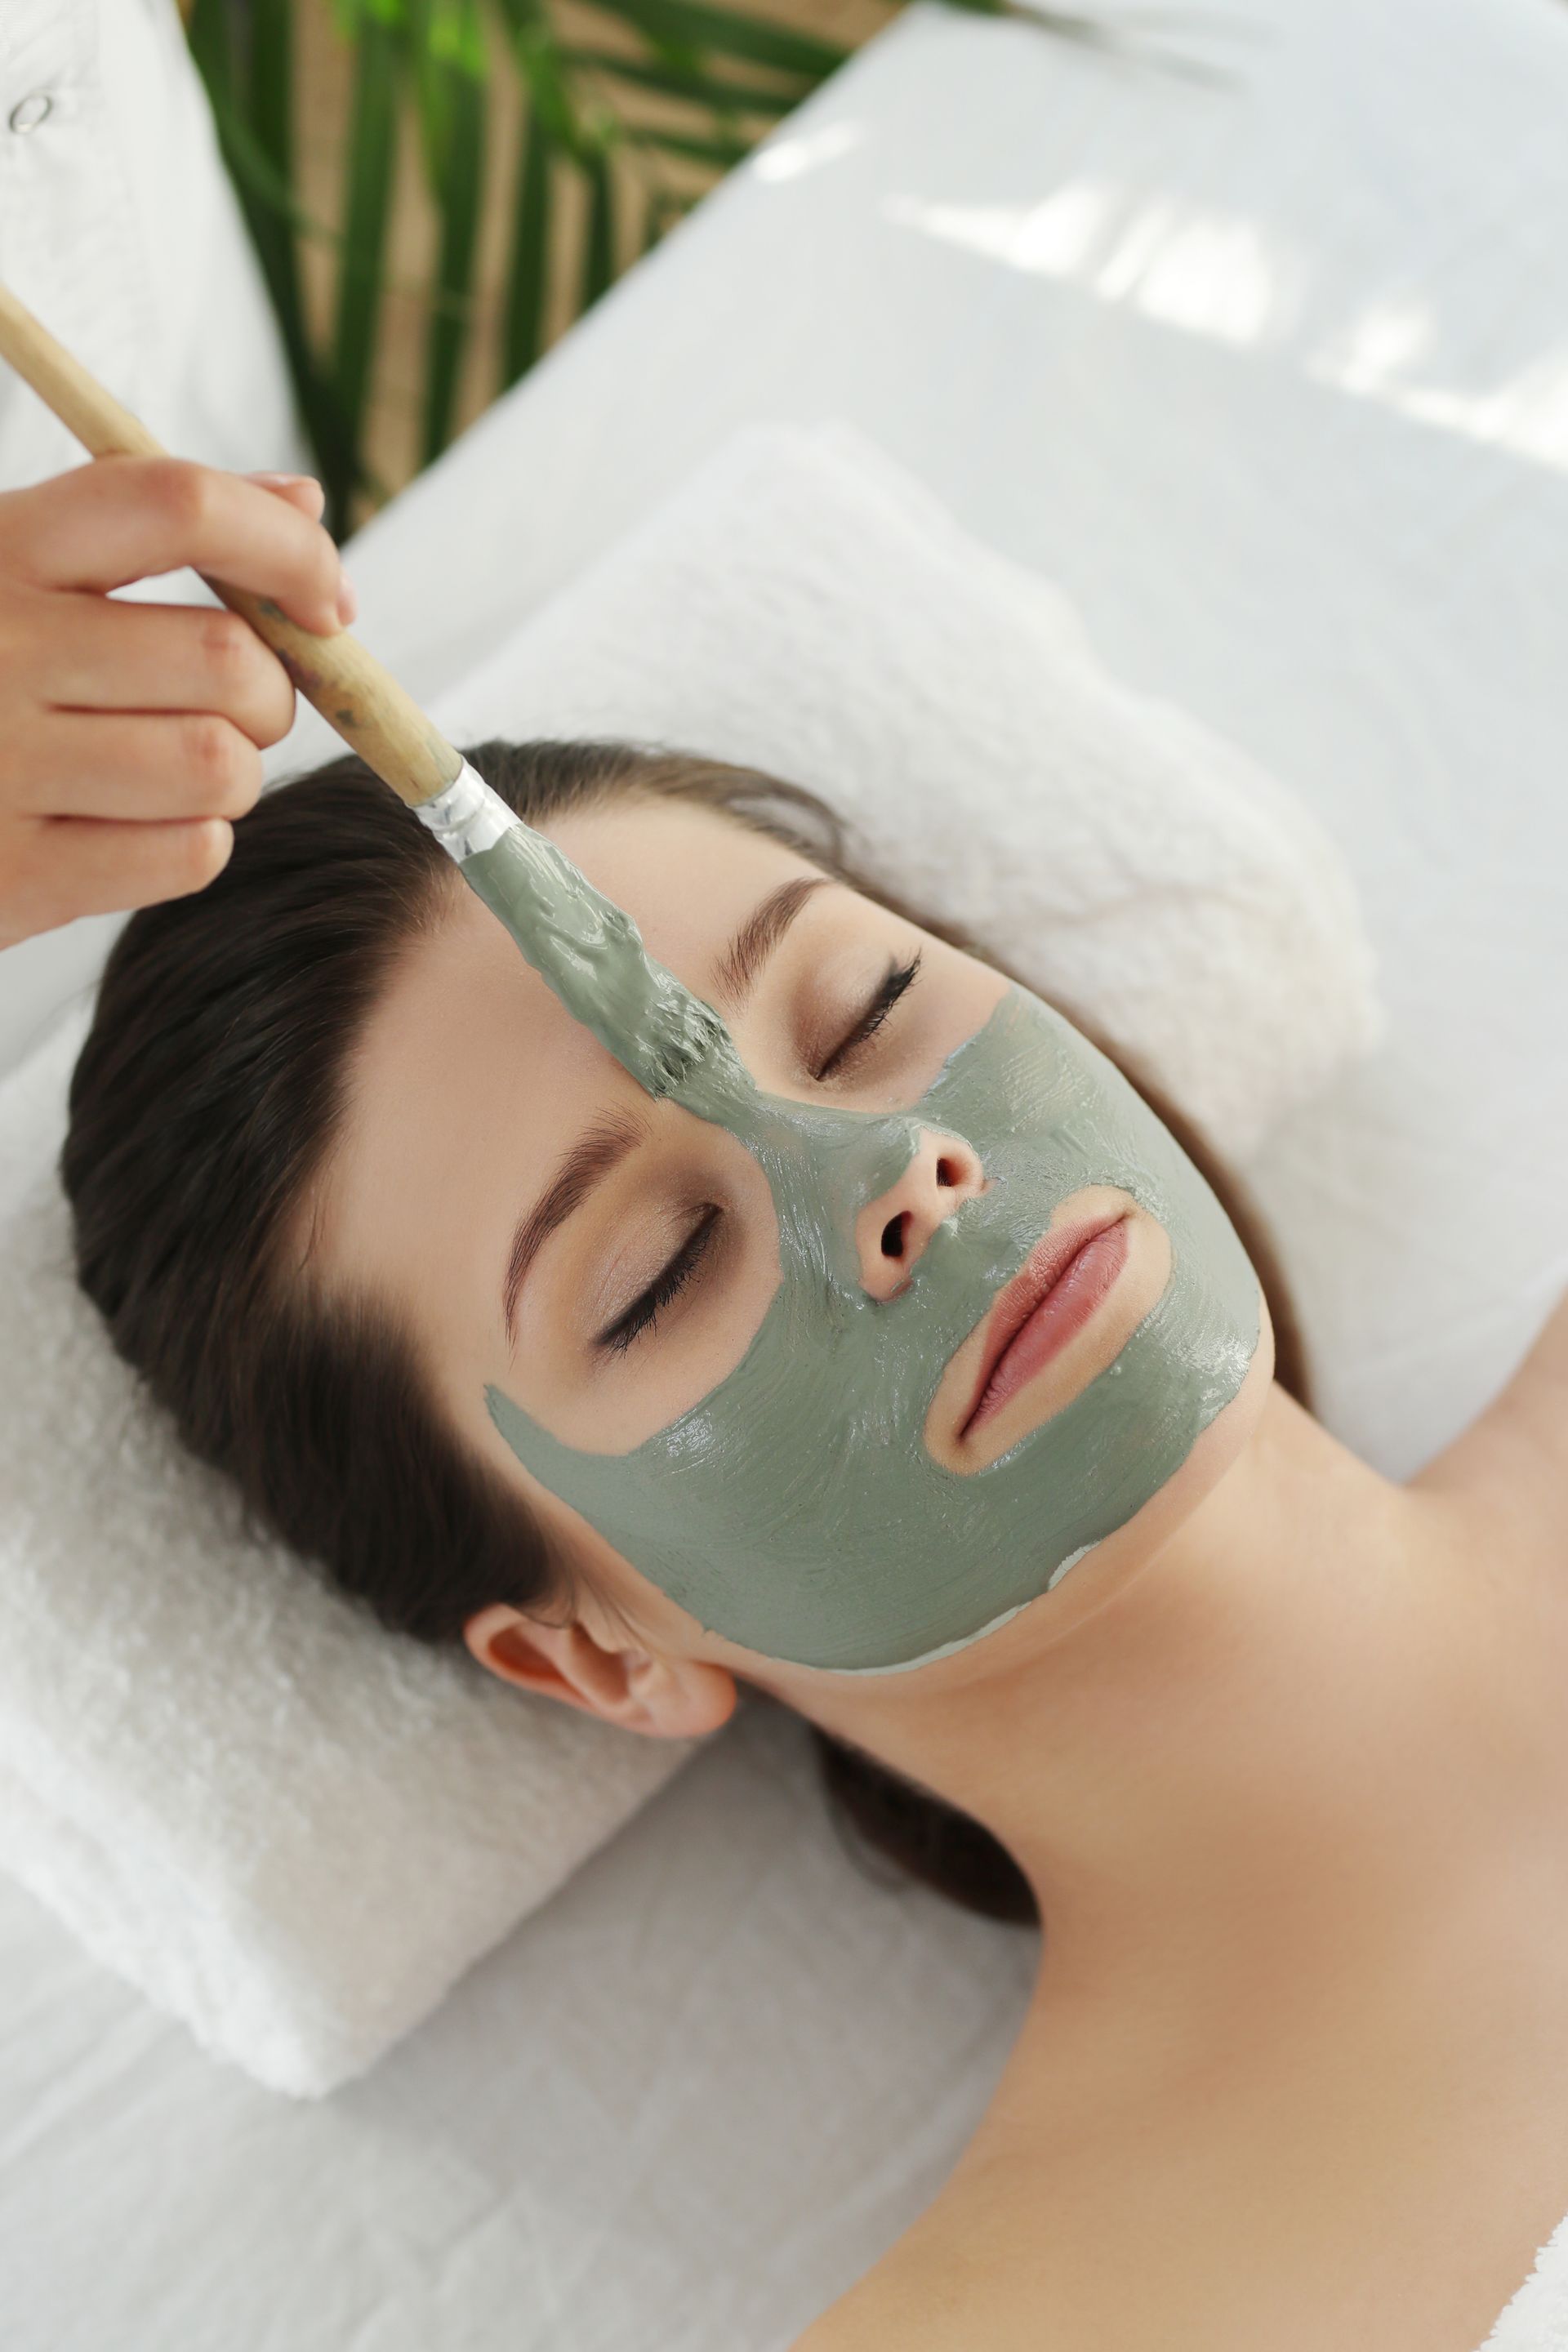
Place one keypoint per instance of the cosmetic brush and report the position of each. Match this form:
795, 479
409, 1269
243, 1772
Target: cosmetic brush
338, 674
587, 949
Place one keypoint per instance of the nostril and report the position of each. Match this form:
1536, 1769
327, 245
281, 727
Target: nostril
893, 1234
947, 1173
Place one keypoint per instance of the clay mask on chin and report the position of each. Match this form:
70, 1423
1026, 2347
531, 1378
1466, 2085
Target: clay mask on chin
795, 1510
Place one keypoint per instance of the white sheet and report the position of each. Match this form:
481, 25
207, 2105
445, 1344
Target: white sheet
1275, 382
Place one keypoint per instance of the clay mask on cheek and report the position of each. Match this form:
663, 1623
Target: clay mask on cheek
795, 1510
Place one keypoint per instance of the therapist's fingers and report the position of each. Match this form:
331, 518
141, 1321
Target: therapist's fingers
54, 870
130, 763
301, 491
123, 518
82, 652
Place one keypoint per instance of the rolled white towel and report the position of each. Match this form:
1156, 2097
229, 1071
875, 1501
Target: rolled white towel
295, 1830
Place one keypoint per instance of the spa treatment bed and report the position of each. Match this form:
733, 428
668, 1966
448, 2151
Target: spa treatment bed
1268, 374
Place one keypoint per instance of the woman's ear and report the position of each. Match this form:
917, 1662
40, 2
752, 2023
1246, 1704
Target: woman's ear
664, 1698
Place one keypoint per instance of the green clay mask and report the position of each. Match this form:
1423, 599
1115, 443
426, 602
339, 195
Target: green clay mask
795, 1510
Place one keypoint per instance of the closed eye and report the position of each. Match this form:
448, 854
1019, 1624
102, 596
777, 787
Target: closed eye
664, 1288
897, 979
668, 1285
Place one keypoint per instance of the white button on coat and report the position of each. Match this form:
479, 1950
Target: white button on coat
118, 226
28, 113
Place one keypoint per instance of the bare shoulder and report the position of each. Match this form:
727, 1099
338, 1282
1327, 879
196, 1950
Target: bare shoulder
1515, 1454
976, 2267
930, 2294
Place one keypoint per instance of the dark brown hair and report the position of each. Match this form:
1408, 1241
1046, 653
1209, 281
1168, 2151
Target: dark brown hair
202, 1106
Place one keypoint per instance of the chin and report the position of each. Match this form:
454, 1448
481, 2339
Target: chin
1118, 1561
1121, 1557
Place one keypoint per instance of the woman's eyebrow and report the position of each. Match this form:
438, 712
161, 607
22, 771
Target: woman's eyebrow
735, 973
587, 1163
604, 1147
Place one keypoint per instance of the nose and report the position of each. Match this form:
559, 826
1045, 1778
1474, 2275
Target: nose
891, 1232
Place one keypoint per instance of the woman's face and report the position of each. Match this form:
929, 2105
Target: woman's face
603, 1262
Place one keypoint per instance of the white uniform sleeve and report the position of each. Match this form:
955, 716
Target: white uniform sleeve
118, 226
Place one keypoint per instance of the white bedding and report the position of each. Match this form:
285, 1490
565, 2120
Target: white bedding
1275, 382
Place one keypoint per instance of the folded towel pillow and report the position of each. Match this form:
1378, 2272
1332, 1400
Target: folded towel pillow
806, 606
286, 1826
293, 1830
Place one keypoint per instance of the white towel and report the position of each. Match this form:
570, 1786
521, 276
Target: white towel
295, 1830
1536, 2318
289, 1827
805, 605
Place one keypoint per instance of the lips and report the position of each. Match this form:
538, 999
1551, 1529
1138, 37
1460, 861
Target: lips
1042, 1270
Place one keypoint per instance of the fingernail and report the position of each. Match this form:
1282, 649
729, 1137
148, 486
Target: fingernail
348, 602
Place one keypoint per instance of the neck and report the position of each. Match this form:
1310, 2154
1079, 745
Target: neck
1287, 1723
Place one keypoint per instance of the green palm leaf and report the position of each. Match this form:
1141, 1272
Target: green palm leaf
368, 167
537, 54
450, 76
660, 212
723, 154
522, 318
673, 92
252, 97
727, 35
599, 244
699, 86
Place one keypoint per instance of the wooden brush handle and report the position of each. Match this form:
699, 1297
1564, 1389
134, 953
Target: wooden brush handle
348, 686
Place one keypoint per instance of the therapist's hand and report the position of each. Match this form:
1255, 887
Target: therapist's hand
131, 734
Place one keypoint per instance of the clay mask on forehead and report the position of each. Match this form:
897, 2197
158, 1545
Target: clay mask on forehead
795, 1510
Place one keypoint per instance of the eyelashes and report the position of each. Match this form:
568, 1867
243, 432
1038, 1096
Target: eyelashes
664, 1288
899, 978
667, 1285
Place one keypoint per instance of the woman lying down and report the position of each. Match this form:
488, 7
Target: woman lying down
832, 1315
